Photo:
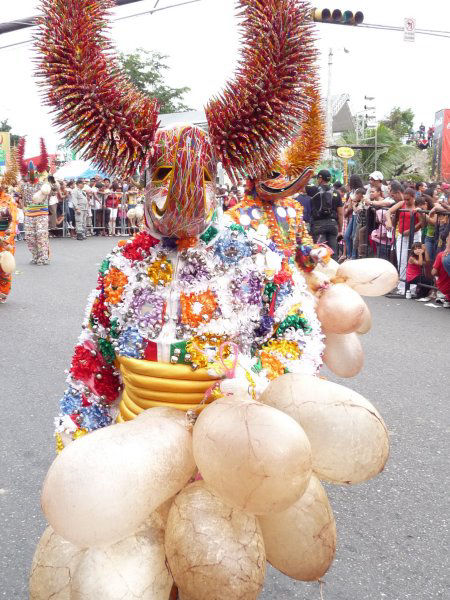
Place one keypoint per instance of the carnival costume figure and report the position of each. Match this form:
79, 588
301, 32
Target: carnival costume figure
8, 226
186, 452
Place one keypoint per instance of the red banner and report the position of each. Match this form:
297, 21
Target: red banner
441, 146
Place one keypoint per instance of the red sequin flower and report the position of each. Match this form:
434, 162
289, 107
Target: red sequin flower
282, 277
108, 386
84, 363
140, 244
99, 311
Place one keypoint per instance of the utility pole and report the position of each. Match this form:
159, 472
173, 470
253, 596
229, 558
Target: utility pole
329, 103
371, 113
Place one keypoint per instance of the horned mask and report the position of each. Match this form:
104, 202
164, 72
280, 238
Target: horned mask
116, 126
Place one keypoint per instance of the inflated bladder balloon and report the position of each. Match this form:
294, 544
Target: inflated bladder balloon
53, 568
253, 456
343, 354
340, 309
132, 569
366, 324
103, 486
301, 541
7, 262
369, 276
214, 551
349, 440
329, 269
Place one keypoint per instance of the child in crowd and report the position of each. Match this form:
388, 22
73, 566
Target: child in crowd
441, 270
414, 273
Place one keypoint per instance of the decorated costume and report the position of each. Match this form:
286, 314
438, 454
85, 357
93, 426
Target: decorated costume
8, 226
199, 333
35, 196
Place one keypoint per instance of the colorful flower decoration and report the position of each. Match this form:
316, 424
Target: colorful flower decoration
287, 349
107, 385
197, 309
114, 283
272, 365
160, 271
148, 308
99, 312
85, 362
130, 343
139, 247
231, 249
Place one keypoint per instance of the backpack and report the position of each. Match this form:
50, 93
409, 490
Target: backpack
322, 205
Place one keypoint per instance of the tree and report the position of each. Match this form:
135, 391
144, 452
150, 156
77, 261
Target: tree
146, 71
391, 160
400, 121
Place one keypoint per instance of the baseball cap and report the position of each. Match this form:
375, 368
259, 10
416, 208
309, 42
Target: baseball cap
325, 174
377, 175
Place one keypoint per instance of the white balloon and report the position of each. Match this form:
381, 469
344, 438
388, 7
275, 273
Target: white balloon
343, 354
340, 309
254, 457
132, 569
103, 486
7, 262
215, 552
366, 324
54, 563
348, 437
301, 541
369, 276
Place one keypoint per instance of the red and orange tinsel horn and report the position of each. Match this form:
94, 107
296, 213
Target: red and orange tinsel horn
260, 109
308, 146
97, 108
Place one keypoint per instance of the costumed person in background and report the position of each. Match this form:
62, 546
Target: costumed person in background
192, 323
8, 227
35, 199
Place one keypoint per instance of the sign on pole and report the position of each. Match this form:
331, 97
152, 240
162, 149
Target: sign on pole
409, 31
5, 141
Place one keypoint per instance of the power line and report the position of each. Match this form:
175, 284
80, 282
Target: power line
147, 12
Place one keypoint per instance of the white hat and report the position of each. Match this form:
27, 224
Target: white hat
377, 175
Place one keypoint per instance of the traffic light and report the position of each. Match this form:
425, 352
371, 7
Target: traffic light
325, 15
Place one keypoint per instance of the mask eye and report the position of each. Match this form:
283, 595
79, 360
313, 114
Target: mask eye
206, 175
161, 173
274, 175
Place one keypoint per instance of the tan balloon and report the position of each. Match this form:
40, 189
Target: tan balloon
132, 569
254, 457
301, 541
340, 309
215, 552
103, 486
366, 324
343, 354
369, 276
163, 411
316, 281
53, 568
330, 269
348, 437
7, 262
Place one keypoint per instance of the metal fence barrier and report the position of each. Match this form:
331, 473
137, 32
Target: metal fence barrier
367, 235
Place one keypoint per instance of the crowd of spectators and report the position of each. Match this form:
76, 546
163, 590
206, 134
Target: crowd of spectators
89, 207
406, 223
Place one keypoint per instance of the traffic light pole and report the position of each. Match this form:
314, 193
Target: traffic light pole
329, 103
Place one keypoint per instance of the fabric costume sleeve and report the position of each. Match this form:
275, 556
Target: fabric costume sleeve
7, 239
94, 384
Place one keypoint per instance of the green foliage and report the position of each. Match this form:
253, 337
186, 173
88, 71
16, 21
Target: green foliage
146, 70
400, 121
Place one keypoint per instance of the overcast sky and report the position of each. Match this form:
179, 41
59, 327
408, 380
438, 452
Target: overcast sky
202, 43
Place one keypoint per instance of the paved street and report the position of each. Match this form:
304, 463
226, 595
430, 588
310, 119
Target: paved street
393, 531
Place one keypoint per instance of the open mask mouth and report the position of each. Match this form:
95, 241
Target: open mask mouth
281, 187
